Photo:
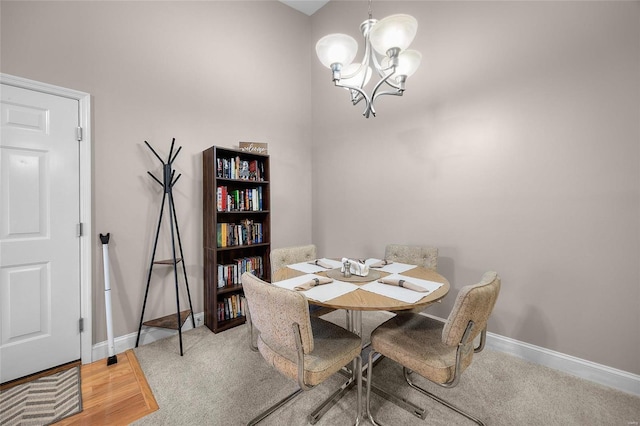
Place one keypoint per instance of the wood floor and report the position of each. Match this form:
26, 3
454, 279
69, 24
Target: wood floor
117, 394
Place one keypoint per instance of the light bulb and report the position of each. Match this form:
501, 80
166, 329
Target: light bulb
408, 62
336, 49
393, 31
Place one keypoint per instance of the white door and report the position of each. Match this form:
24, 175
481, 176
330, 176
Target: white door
39, 244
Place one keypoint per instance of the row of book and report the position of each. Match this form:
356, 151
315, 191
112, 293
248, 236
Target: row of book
249, 199
229, 274
231, 307
235, 168
244, 233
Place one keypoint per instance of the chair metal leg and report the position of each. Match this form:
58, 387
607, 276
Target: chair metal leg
374, 358
368, 396
360, 417
403, 403
353, 324
355, 379
407, 377
274, 407
331, 401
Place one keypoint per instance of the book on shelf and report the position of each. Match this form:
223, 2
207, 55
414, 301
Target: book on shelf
245, 233
249, 199
231, 307
229, 274
239, 168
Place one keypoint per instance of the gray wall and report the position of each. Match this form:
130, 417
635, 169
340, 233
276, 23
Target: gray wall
515, 148
159, 70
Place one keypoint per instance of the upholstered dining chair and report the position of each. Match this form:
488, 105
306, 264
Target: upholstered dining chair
281, 257
284, 256
438, 351
424, 256
306, 349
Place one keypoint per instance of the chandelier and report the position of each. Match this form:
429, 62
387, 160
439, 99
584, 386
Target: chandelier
385, 51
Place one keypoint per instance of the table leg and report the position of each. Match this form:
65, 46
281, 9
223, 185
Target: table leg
356, 319
354, 324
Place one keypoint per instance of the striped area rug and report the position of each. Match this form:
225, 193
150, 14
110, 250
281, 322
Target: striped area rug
42, 401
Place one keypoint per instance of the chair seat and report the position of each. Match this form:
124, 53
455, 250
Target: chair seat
334, 347
415, 341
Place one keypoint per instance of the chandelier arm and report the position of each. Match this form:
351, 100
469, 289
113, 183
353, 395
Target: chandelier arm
378, 66
356, 88
355, 100
381, 72
395, 93
382, 81
363, 64
356, 97
362, 68
355, 73
394, 85
376, 95
370, 110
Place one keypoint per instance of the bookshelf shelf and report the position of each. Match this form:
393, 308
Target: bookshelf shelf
236, 226
242, 247
229, 289
243, 181
243, 212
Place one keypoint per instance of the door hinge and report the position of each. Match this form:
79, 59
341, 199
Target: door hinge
81, 324
79, 133
79, 229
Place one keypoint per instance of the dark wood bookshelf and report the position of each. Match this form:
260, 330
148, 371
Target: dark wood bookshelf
214, 254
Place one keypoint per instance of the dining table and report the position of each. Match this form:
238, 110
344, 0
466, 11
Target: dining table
356, 294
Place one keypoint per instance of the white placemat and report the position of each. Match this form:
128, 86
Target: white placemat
321, 293
393, 268
310, 268
400, 293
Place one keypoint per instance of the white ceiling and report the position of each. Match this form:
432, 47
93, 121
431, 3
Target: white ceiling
308, 7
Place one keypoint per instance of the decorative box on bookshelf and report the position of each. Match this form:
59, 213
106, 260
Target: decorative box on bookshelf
236, 225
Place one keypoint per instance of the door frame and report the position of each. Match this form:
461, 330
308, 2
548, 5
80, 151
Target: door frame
85, 184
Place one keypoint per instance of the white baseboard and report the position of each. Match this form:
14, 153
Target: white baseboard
597, 373
148, 335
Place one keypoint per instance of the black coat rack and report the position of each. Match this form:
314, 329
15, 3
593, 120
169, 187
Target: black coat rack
168, 181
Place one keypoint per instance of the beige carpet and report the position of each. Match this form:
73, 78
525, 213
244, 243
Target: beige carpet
43, 400
220, 381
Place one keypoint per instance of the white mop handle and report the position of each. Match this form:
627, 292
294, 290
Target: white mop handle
107, 293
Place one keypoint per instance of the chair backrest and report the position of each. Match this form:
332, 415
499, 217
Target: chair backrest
424, 256
474, 303
282, 257
273, 310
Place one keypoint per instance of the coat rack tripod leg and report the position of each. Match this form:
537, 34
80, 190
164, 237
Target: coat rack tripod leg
169, 179
175, 268
184, 267
153, 257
